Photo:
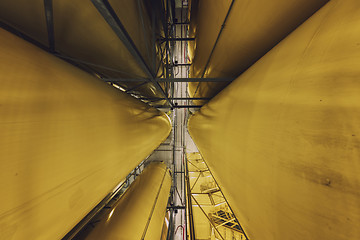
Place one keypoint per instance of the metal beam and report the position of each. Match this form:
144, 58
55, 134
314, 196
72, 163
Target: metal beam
22, 35
169, 79
137, 86
211, 222
86, 66
48, 5
108, 13
172, 10
182, 64
223, 196
189, 98
165, 150
181, 23
195, 181
140, 9
195, 79
179, 106
178, 39
218, 37
221, 218
226, 222
92, 64
181, 200
153, 38
189, 203
176, 207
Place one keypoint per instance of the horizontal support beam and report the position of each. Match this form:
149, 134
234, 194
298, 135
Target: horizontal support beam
24, 36
180, 106
195, 79
210, 193
169, 79
181, 23
182, 64
165, 150
176, 207
178, 39
189, 98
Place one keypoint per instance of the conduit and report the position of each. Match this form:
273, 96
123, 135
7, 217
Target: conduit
283, 139
140, 212
66, 140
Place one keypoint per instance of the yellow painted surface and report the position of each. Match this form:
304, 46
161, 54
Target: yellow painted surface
146, 199
86, 35
252, 29
66, 139
283, 139
82, 33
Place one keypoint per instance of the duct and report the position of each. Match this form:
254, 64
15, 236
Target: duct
227, 46
282, 140
66, 140
80, 32
140, 212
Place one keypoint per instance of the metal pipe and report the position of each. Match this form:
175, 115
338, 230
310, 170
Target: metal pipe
292, 105
153, 207
61, 152
90, 216
139, 213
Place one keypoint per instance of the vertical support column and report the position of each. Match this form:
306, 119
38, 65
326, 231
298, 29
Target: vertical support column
48, 5
189, 205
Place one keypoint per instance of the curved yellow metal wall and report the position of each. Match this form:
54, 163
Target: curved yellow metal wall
82, 33
251, 30
141, 210
66, 140
283, 139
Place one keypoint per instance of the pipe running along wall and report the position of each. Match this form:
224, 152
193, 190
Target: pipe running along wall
66, 140
81, 32
140, 212
251, 29
283, 139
